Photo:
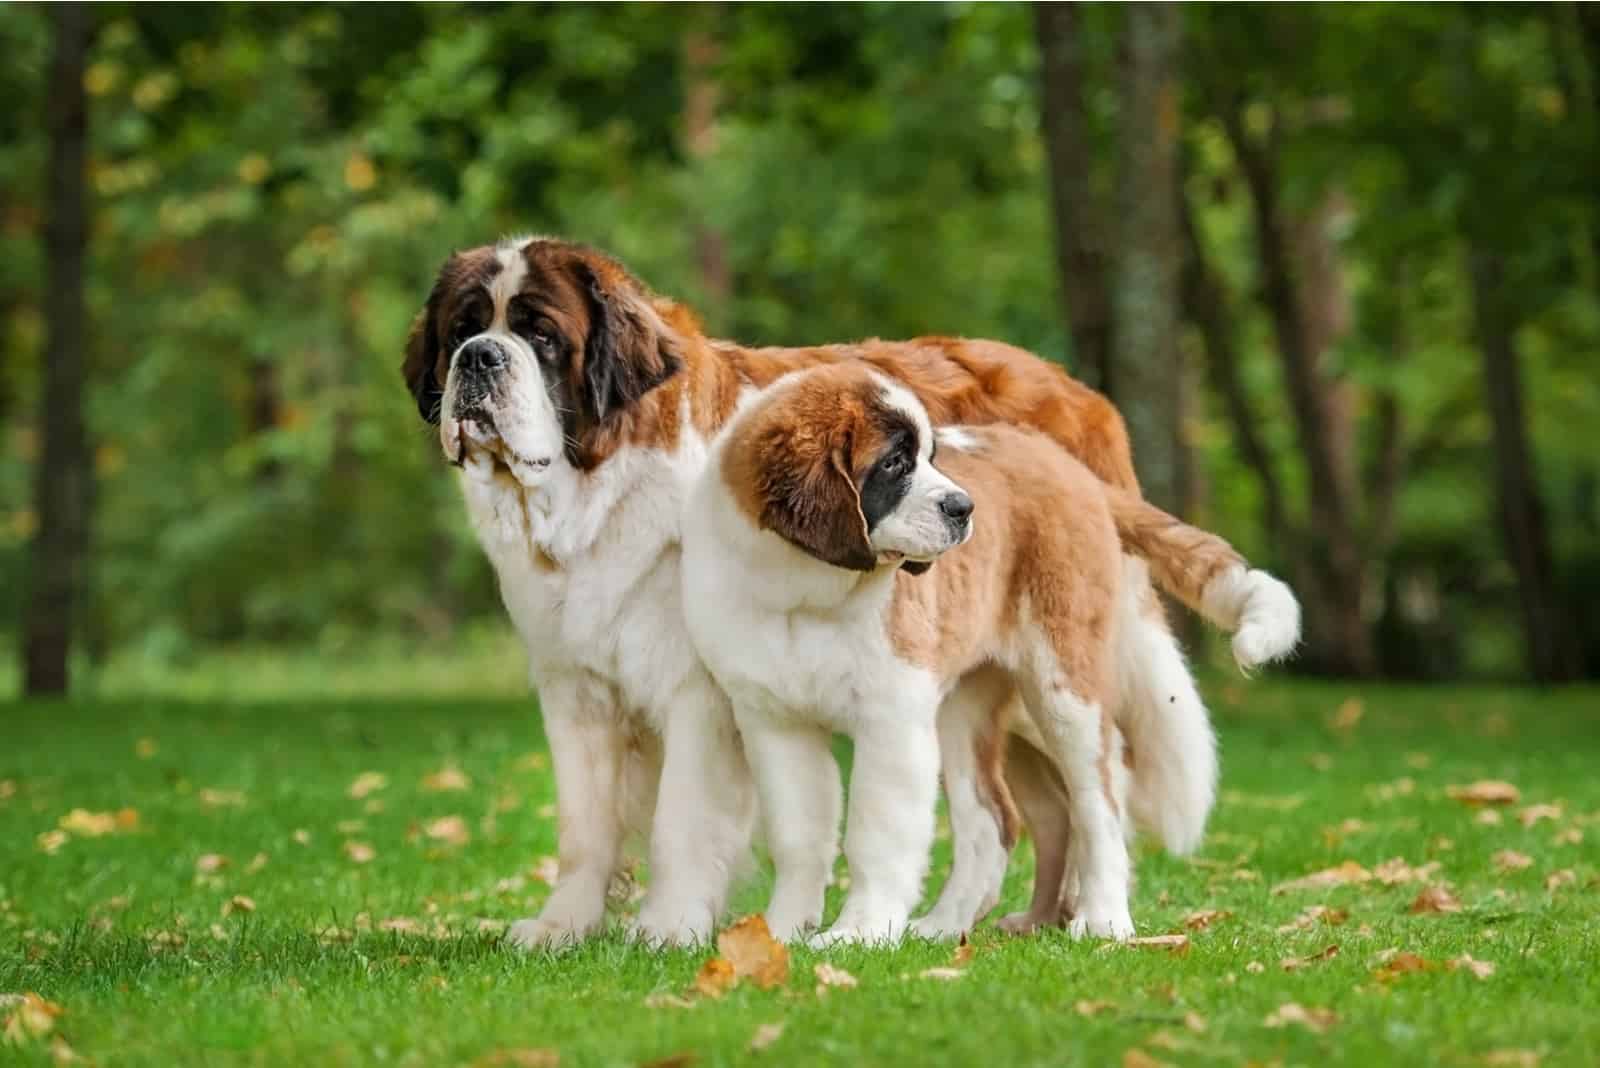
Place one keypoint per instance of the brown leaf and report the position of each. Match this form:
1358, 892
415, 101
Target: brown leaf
1195, 1022
1093, 1008
1348, 715
359, 852
451, 830
86, 824
401, 925
301, 836
963, 954
1294, 963
366, 783
1534, 813
1255, 967
1312, 1019
1557, 879
829, 976
30, 1018
1488, 818
1569, 836
754, 953
1481, 968
1202, 919
1396, 871
1173, 943
1313, 915
1433, 899
1344, 874
207, 863
765, 1036
945, 974
1485, 792
238, 903
145, 748
1404, 786
50, 842
211, 798
1512, 1058
715, 978
676, 1060
1138, 1058
1399, 964
664, 999
1509, 860
257, 862
446, 779
519, 1058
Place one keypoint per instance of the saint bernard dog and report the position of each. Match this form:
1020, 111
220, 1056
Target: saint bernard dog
580, 409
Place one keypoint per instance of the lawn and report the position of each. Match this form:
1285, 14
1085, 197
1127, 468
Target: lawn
326, 883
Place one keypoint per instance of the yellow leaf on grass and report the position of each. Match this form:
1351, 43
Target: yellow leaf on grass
1485, 792
765, 1036
1295, 963
1203, 919
963, 954
1512, 1058
829, 976
1174, 943
1557, 879
519, 1058
1195, 1022
28, 1017
50, 842
1569, 836
257, 862
447, 779
715, 978
1347, 715
211, 798
207, 863
449, 829
945, 974
359, 852
1313, 915
86, 824
1093, 1008
1434, 899
667, 1000
238, 903
366, 783
1397, 871
1534, 813
1138, 1058
1312, 1019
754, 953
1345, 874
1481, 968
1509, 860
1401, 963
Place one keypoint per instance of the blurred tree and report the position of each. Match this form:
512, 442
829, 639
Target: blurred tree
58, 579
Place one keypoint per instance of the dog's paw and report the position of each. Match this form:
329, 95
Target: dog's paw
539, 933
939, 928
1025, 923
1112, 922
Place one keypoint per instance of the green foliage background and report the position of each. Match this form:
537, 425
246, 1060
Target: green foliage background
275, 185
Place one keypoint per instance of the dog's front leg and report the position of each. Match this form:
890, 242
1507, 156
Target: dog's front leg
588, 738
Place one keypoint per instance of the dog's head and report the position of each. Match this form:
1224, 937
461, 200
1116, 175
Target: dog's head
839, 461
531, 348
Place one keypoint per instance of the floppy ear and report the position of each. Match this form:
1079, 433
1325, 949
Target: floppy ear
819, 510
630, 350
422, 355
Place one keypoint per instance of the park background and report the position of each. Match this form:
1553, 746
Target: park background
1339, 265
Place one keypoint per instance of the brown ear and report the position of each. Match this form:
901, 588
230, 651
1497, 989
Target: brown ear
422, 356
630, 351
819, 509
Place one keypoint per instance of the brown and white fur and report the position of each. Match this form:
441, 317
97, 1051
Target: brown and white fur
799, 544
579, 407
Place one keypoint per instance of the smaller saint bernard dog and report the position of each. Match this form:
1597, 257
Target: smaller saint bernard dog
851, 569
580, 408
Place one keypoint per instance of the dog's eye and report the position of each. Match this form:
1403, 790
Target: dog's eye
898, 464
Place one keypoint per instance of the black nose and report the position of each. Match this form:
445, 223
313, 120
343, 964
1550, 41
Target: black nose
480, 356
956, 506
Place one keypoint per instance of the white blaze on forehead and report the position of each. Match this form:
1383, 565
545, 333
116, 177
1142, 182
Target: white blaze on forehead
901, 399
958, 438
507, 282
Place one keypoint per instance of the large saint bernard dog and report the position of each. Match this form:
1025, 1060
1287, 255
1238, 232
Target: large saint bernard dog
580, 408
804, 545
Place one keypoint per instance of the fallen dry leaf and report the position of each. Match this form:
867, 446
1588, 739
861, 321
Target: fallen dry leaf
676, 1060
301, 836
1557, 879
1481, 968
754, 953
257, 862
50, 842
1570, 836
1255, 967
1346, 873
963, 954
29, 1018
1195, 1022
350, 826
401, 925
1138, 1058
1174, 943
1433, 899
451, 830
1404, 786
86, 824
1509, 860
1202, 919
1347, 715
665, 999
765, 1036
1397, 871
447, 779
145, 748
1488, 818
1401, 963
1312, 915
367, 782
1292, 1012
519, 1058
1093, 1008
830, 976
1485, 792
1295, 963
1512, 1058
207, 863
715, 978
359, 852
221, 798
238, 903
1532, 814
945, 974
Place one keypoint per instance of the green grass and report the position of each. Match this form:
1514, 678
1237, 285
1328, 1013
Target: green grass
83, 926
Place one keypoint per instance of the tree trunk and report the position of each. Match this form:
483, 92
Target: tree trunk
1338, 640
701, 97
1522, 523
62, 486
1146, 361
1081, 246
